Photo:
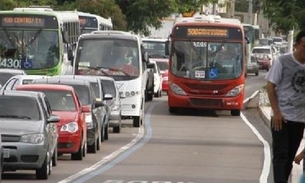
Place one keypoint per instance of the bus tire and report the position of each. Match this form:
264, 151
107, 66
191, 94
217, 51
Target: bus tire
173, 110
235, 112
136, 121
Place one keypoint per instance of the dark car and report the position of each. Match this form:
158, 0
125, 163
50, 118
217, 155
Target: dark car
28, 132
87, 97
149, 92
6, 74
100, 96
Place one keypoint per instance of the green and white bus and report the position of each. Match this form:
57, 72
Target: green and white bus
38, 40
91, 22
252, 32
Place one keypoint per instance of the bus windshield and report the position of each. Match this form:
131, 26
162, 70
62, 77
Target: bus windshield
207, 60
109, 57
28, 49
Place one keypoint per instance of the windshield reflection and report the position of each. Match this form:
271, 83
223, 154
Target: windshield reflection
108, 57
207, 60
28, 49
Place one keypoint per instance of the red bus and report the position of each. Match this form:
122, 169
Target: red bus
206, 64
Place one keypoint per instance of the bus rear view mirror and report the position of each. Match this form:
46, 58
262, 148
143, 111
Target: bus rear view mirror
70, 54
247, 40
167, 48
65, 36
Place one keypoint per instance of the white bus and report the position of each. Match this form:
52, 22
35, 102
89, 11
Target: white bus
119, 55
91, 22
38, 40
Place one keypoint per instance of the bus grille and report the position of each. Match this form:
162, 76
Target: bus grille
206, 102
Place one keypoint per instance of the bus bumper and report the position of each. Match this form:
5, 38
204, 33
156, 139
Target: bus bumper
206, 102
131, 106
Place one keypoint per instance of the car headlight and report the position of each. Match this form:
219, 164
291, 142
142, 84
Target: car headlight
89, 121
176, 89
235, 91
71, 127
35, 138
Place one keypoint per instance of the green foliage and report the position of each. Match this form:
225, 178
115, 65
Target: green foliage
285, 15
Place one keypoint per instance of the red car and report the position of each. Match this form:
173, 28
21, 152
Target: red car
163, 65
72, 128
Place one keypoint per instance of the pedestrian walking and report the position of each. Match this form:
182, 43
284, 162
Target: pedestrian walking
286, 92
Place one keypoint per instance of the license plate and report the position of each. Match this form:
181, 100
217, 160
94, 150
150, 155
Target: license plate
6, 153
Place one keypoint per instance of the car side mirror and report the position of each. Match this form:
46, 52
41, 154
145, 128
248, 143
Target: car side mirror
108, 97
86, 108
53, 119
167, 50
99, 104
150, 65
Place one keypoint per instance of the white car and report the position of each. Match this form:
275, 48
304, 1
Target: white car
20, 80
157, 79
264, 51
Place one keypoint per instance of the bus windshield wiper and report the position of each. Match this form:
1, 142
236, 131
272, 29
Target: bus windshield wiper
96, 68
15, 116
8, 36
34, 38
219, 47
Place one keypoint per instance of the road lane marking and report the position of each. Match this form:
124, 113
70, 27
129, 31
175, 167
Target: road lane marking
267, 154
117, 156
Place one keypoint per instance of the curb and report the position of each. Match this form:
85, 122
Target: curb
264, 116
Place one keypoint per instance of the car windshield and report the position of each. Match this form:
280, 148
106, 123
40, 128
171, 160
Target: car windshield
261, 50
110, 57
162, 65
109, 87
19, 107
155, 49
4, 77
28, 49
207, 60
60, 100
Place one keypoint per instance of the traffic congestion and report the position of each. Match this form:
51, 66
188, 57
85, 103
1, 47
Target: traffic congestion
81, 102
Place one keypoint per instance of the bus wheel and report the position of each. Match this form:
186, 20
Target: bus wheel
173, 110
235, 112
136, 121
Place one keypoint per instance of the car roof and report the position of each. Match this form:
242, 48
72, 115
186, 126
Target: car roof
68, 81
29, 76
12, 71
104, 78
45, 87
154, 40
22, 93
262, 47
82, 77
109, 35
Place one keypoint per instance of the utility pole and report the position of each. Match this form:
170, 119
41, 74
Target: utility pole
232, 8
250, 7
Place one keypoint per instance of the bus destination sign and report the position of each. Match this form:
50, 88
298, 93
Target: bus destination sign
23, 21
207, 32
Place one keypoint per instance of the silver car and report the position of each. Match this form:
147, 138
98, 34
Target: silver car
253, 66
29, 134
113, 100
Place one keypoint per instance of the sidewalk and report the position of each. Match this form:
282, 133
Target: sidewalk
265, 112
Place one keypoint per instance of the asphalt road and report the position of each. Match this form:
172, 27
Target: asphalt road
195, 147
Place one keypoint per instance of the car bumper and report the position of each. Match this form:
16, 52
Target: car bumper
131, 106
24, 156
69, 142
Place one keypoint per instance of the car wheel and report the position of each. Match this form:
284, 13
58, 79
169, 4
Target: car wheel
106, 132
92, 148
54, 157
235, 112
43, 172
79, 154
85, 149
102, 133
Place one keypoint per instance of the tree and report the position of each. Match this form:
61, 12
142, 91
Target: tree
285, 15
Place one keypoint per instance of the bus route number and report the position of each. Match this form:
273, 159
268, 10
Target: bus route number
10, 63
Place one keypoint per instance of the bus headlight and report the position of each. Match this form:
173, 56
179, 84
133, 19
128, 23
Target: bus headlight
132, 93
235, 91
176, 89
